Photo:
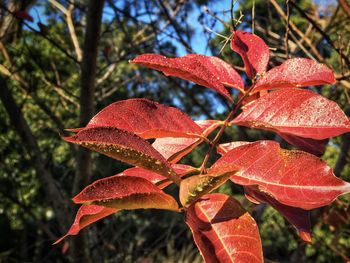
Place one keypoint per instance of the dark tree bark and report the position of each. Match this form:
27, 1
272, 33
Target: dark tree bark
87, 108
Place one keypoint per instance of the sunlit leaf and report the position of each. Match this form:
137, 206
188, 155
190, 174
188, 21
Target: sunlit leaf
86, 215
223, 231
253, 50
147, 119
295, 112
294, 178
295, 72
210, 72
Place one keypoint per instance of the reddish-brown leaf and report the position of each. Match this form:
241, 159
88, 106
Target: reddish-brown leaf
23, 15
126, 192
296, 72
253, 50
147, 119
316, 147
298, 217
173, 149
155, 178
294, 178
210, 72
194, 187
223, 231
296, 112
86, 215
123, 146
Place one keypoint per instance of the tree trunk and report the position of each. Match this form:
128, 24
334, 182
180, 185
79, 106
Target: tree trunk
87, 109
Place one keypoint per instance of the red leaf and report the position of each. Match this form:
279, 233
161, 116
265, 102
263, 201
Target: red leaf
126, 192
296, 72
147, 119
226, 147
123, 146
253, 50
194, 187
294, 178
23, 15
86, 215
223, 231
173, 149
210, 72
155, 178
316, 147
298, 217
296, 112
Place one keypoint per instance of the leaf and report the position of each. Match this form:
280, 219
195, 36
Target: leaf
126, 192
294, 178
223, 231
173, 149
23, 15
298, 217
86, 215
296, 112
155, 178
295, 72
210, 72
316, 147
226, 147
147, 119
194, 187
253, 50
123, 146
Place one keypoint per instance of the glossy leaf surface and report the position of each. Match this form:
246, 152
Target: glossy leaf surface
253, 50
123, 146
86, 215
223, 231
298, 217
147, 119
296, 112
196, 186
173, 149
210, 72
296, 72
126, 192
294, 178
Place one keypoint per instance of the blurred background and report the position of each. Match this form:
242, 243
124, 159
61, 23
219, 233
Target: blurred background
61, 61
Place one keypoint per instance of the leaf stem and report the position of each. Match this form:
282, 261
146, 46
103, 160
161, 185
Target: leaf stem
223, 127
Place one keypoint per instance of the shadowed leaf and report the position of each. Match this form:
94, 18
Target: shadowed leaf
126, 192
196, 186
223, 231
294, 178
253, 50
316, 147
123, 146
298, 217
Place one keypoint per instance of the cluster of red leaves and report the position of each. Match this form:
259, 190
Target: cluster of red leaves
291, 181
